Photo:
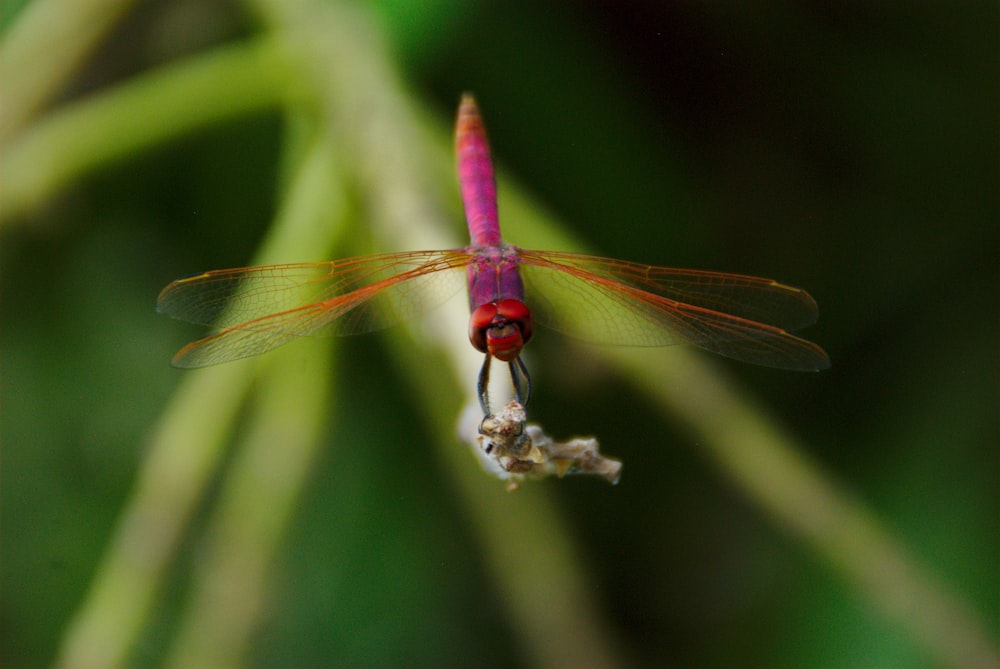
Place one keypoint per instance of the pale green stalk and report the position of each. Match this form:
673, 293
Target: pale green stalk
288, 423
47, 42
774, 470
537, 570
136, 116
270, 469
185, 453
539, 573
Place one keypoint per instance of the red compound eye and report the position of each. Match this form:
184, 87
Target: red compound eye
479, 321
501, 328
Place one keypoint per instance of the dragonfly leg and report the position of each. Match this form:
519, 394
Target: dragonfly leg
521, 379
483, 387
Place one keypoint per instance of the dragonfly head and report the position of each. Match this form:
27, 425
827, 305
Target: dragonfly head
501, 328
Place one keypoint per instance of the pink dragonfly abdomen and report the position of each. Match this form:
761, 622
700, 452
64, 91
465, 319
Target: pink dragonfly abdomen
475, 175
500, 323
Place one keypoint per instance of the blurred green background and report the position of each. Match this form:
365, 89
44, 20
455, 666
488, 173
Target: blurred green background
847, 148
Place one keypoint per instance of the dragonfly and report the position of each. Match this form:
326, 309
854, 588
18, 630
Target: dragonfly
601, 300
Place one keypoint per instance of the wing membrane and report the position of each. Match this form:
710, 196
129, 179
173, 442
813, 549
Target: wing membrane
616, 302
256, 309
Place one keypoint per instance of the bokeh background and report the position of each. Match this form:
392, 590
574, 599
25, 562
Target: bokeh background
847, 148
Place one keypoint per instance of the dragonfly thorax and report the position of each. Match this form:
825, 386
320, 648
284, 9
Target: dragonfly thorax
501, 328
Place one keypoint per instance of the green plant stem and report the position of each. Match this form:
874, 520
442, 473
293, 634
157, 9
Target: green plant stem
774, 471
539, 573
229, 590
256, 503
271, 466
136, 116
544, 588
185, 454
46, 43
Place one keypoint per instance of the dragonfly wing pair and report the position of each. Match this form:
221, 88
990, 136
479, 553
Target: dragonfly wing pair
257, 309
609, 301
600, 300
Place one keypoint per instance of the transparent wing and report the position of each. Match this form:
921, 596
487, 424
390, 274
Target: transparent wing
608, 301
256, 309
